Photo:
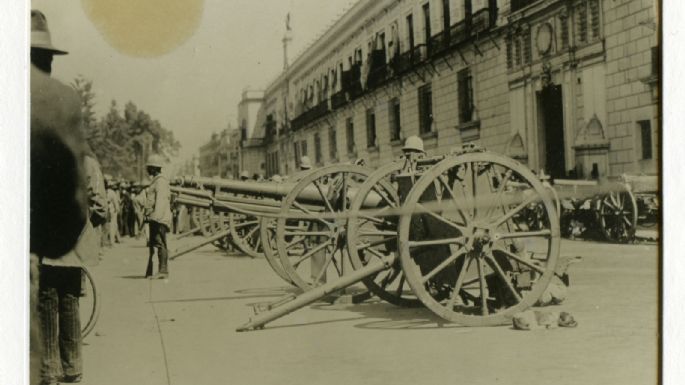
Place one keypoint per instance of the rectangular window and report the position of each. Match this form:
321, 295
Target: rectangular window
510, 54
303, 147
645, 128
527, 46
563, 21
349, 131
465, 93
446, 16
297, 154
332, 144
517, 51
656, 64
394, 119
427, 23
317, 148
410, 32
582, 22
370, 129
425, 109
594, 18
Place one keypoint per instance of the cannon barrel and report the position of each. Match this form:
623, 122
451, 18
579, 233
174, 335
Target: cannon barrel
261, 189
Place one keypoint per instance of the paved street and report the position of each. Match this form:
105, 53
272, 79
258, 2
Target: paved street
183, 331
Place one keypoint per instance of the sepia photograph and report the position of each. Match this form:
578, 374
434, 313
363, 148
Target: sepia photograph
344, 192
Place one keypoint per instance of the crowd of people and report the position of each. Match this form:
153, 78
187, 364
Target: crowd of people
75, 210
125, 210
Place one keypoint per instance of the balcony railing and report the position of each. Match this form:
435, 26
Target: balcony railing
338, 100
382, 71
519, 4
310, 115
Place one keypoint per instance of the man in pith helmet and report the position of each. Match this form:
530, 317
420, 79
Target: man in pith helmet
305, 163
413, 144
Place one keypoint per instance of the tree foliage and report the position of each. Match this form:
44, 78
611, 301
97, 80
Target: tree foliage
122, 142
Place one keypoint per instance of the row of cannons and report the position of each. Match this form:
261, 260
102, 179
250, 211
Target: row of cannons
473, 236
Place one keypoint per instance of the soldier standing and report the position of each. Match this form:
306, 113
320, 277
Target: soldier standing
158, 216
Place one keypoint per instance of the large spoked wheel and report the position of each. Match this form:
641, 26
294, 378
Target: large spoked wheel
314, 248
89, 303
616, 214
373, 235
267, 229
463, 250
245, 234
205, 219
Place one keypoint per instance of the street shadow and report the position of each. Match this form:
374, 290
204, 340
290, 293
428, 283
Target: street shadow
313, 323
133, 276
267, 292
392, 317
273, 291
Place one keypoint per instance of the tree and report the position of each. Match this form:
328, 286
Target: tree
122, 143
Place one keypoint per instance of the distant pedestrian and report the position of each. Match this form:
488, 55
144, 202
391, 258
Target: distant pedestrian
158, 217
113, 209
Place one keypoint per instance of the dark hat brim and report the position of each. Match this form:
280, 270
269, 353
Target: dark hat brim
50, 48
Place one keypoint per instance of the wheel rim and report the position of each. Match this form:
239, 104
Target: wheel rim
617, 215
267, 229
375, 236
303, 242
89, 305
453, 260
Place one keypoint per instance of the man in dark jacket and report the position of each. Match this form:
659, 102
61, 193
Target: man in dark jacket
63, 197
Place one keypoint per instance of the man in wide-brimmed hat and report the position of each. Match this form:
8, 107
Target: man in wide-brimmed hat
42, 50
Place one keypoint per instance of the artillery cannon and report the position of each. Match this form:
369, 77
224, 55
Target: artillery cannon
605, 208
444, 232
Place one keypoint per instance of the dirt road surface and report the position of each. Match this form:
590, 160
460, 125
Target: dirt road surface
182, 331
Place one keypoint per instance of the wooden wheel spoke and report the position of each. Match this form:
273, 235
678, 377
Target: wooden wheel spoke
400, 286
521, 260
490, 259
383, 195
377, 242
454, 198
309, 212
248, 223
295, 242
443, 265
251, 232
433, 242
329, 258
390, 277
483, 287
460, 281
372, 218
474, 177
525, 234
515, 210
440, 218
370, 233
308, 233
627, 221
498, 194
608, 204
309, 254
323, 196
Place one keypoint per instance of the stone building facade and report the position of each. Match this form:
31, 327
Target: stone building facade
568, 86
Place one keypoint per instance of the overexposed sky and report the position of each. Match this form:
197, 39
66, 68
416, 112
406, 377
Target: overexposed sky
194, 89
